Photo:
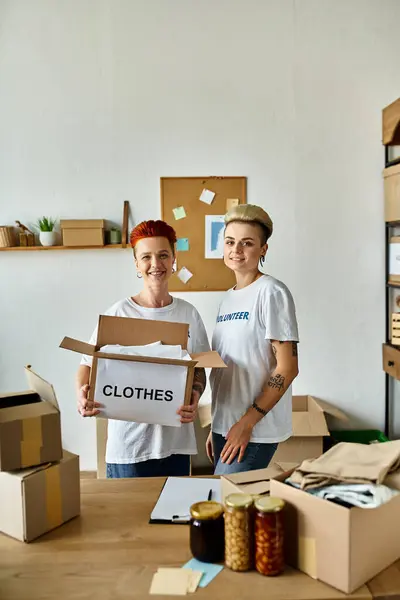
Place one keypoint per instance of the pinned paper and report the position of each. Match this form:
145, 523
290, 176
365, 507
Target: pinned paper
184, 275
179, 213
207, 196
214, 236
182, 244
209, 570
231, 203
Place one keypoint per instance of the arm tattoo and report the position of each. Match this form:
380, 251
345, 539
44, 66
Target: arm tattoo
199, 380
277, 382
274, 350
294, 348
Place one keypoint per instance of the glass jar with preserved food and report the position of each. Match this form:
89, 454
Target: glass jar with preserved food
239, 532
207, 531
268, 534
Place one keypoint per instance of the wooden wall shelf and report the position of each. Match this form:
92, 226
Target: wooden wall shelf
34, 248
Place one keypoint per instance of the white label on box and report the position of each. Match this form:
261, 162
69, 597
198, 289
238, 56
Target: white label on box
139, 391
394, 259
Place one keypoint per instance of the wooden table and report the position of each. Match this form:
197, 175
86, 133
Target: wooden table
111, 552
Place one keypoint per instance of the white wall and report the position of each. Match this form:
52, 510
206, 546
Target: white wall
99, 98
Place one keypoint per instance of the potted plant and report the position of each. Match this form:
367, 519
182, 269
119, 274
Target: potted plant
47, 235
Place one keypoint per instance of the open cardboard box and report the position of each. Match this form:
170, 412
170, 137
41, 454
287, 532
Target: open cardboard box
144, 389
344, 547
255, 483
30, 428
34, 501
309, 428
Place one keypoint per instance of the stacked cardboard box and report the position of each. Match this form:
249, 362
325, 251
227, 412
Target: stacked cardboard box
39, 482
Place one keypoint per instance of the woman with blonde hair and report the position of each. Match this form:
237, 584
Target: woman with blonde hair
256, 336
142, 449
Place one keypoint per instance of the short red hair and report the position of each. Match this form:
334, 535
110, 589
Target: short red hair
149, 229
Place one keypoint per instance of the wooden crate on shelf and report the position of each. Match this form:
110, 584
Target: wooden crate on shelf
395, 330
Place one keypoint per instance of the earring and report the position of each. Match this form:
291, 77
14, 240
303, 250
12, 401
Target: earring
262, 259
138, 275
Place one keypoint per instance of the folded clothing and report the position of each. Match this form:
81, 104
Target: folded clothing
361, 495
349, 463
156, 349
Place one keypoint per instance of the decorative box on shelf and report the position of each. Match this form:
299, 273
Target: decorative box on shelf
86, 232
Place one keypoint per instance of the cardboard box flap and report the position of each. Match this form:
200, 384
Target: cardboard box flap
288, 467
77, 346
256, 489
331, 410
309, 424
208, 360
139, 332
252, 482
42, 387
147, 359
256, 476
82, 223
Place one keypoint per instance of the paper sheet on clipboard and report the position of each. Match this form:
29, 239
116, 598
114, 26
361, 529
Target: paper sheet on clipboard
178, 495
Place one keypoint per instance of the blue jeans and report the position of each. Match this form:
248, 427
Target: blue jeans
256, 456
176, 465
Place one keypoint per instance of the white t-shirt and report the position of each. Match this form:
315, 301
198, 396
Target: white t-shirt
136, 442
248, 319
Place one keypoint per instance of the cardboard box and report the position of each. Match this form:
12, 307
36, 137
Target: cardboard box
391, 182
146, 389
89, 232
255, 483
34, 501
339, 546
30, 428
309, 427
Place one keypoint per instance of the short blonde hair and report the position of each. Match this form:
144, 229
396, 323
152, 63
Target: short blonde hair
250, 213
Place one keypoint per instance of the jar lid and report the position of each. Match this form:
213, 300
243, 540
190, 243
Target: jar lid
206, 510
239, 500
268, 504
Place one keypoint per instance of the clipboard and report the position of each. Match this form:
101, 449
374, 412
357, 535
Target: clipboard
177, 496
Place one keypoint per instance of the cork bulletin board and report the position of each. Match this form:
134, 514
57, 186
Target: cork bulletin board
193, 222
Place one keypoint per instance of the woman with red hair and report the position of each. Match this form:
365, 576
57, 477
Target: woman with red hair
142, 449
